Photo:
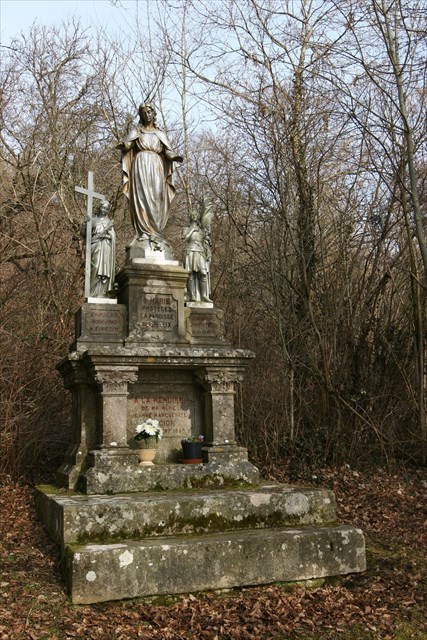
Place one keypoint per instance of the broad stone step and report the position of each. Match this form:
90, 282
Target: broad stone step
167, 477
79, 518
181, 564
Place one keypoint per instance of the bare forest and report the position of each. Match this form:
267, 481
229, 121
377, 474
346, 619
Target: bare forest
306, 123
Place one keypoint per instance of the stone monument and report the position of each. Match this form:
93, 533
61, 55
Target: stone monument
128, 530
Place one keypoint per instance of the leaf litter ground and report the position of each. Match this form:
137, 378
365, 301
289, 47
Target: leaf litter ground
388, 601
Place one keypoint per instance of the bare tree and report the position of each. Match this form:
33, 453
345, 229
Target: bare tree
53, 130
319, 168
384, 48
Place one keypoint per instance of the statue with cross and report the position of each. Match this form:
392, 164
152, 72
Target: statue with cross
100, 247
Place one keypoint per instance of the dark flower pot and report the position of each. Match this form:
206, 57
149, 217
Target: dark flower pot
192, 452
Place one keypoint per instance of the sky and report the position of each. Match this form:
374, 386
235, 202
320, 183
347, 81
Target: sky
19, 15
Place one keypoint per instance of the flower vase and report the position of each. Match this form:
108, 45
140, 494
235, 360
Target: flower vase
147, 451
146, 456
192, 452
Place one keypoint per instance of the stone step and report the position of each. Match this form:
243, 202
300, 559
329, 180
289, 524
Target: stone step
102, 478
79, 518
172, 565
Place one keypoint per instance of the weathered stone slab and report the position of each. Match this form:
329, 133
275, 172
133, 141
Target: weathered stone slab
101, 323
215, 561
204, 325
78, 518
174, 412
158, 313
166, 477
172, 400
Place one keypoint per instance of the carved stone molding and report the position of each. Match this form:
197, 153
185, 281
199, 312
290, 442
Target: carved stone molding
115, 380
73, 373
220, 381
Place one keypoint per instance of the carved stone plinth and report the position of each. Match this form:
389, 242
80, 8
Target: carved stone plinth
149, 357
100, 324
204, 325
154, 297
190, 391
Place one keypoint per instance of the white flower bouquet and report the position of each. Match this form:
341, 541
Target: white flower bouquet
148, 429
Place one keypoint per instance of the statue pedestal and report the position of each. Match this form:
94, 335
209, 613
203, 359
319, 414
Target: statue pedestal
102, 300
150, 357
154, 297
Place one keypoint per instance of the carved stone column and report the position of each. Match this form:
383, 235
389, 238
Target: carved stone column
83, 420
112, 452
220, 389
112, 408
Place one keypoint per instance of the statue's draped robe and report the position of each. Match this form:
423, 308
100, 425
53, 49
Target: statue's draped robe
194, 254
147, 181
103, 257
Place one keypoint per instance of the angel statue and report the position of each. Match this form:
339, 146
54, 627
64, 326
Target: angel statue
197, 252
147, 161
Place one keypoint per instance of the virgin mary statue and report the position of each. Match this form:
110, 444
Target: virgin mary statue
147, 161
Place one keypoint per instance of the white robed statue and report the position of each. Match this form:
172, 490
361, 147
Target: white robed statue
103, 252
147, 161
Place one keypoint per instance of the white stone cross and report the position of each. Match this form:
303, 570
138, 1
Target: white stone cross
91, 194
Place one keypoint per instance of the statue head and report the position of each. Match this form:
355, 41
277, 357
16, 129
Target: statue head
194, 216
103, 208
147, 113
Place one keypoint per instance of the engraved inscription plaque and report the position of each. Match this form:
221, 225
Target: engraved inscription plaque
205, 325
158, 312
173, 413
104, 321
101, 323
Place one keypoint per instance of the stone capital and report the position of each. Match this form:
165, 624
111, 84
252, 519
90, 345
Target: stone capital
220, 380
115, 380
73, 372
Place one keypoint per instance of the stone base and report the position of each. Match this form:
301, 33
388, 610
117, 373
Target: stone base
204, 324
100, 324
166, 477
199, 305
145, 252
101, 300
171, 527
74, 517
153, 293
132, 545
215, 561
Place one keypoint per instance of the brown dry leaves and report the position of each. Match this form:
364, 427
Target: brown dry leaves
390, 508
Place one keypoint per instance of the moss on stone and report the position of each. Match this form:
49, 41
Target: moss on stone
51, 489
192, 526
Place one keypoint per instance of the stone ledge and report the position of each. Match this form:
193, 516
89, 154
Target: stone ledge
218, 561
165, 477
78, 518
163, 353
